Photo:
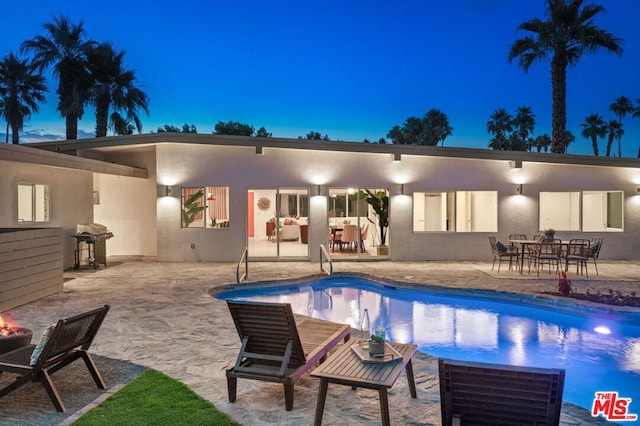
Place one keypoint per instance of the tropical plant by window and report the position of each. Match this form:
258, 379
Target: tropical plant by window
192, 206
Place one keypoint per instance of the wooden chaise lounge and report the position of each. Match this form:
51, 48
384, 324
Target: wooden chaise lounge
69, 340
275, 348
474, 393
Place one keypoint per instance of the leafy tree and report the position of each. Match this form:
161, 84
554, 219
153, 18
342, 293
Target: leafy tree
593, 128
615, 131
64, 47
21, 89
564, 35
431, 129
186, 128
315, 136
262, 133
113, 87
499, 124
523, 124
233, 128
621, 107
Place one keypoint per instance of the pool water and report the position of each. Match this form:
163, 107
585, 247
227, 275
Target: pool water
597, 352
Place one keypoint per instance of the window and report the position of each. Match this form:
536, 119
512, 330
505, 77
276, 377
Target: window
433, 211
476, 211
293, 203
205, 207
347, 203
560, 211
33, 203
460, 211
602, 211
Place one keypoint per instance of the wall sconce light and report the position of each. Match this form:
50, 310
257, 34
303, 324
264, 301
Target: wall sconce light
319, 189
258, 150
519, 189
516, 164
402, 189
397, 156
167, 190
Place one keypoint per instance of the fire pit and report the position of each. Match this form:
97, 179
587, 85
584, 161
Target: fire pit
13, 337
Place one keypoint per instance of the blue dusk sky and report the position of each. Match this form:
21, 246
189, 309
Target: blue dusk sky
348, 69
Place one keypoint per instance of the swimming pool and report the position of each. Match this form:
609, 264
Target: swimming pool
598, 351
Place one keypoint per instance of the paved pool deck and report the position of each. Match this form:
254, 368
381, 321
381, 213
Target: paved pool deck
163, 317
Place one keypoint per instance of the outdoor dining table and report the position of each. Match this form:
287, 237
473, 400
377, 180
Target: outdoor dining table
525, 243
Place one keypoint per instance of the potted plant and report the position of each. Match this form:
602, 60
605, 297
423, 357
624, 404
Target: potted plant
376, 343
549, 234
379, 202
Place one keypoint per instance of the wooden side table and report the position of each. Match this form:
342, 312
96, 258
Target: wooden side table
344, 367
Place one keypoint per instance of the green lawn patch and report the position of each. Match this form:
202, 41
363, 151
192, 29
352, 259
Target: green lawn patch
155, 398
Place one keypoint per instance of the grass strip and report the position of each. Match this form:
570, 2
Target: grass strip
157, 399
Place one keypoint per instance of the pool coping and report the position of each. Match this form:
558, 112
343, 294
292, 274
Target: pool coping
567, 305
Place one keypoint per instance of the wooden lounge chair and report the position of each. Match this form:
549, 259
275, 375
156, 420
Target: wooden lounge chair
69, 340
275, 348
473, 393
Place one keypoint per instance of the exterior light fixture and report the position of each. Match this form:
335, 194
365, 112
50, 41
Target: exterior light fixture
319, 189
519, 189
167, 190
402, 189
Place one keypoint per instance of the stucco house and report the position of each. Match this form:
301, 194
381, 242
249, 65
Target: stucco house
205, 197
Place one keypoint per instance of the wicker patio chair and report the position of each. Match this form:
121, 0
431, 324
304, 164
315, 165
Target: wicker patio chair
275, 348
594, 250
500, 252
578, 253
69, 340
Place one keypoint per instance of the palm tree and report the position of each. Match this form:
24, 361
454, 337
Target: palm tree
499, 124
567, 32
21, 89
542, 142
636, 114
113, 87
614, 130
64, 47
523, 124
436, 127
621, 107
593, 128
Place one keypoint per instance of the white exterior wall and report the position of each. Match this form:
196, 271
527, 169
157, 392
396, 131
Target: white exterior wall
128, 206
240, 168
70, 199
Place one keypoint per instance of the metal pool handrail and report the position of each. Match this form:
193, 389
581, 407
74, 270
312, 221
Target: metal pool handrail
244, 257
325, 254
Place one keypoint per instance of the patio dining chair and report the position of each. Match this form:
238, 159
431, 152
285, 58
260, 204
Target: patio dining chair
594, 250
500, 251
548, 252
578, 253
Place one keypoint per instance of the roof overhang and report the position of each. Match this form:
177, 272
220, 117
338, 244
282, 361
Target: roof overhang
515, 158
28, 154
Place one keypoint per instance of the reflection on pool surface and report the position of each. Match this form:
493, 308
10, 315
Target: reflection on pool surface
599, 354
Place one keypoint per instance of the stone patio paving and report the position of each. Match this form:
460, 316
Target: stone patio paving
162, 316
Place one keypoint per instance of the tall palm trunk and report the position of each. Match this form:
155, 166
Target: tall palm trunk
594, 142
72, 126
102, 116
609, 143
15, 135
559, 107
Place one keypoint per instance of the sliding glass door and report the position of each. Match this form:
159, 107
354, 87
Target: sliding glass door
278, 222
